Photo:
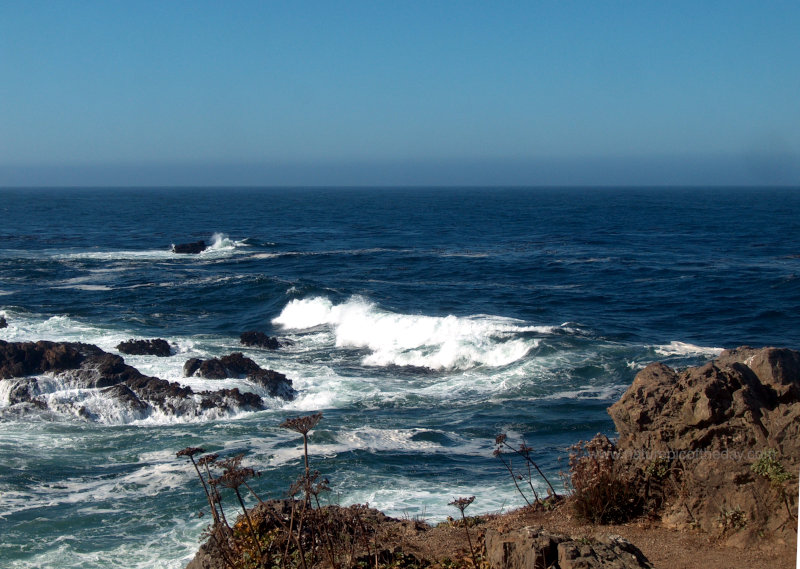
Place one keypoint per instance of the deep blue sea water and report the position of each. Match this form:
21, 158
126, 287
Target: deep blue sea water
424, 321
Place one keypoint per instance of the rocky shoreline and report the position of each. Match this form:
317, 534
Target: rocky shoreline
707, 456
34, 369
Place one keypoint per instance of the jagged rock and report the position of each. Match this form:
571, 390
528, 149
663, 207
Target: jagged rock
191, 366
709, 425
155, 347
124, 395
530, 548
261, 340
238, 366
3, 323
23, 390
277, 384
189, 248
86, 366
18, 359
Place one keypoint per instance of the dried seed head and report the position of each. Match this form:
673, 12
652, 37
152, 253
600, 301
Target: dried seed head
302, 424
230, 463
235, 477
501, 438
462, 503
190, 451
208, 459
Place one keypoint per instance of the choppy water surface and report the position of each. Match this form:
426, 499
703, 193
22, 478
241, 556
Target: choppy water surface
424, 322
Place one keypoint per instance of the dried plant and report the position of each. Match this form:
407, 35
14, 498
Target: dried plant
462, 504
524, 451
233, 478
303, 425
189, 452
601, 493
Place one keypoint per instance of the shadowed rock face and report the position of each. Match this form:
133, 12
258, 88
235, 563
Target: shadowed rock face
712, 423
86, 366
156, 347
239, 366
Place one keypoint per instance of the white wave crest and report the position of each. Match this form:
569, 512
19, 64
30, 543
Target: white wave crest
220, 242
675, 348
435, 342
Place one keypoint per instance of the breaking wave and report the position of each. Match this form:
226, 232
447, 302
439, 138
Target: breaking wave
434, 342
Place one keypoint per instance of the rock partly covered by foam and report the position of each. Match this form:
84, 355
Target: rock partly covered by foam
705, 427
260, 340
190, 248
238, 366
155, 347
85, 366
3, 323
531, 548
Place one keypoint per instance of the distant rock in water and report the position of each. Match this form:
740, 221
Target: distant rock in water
85, 366
261, 340
238, 366
707, 431
156, 347
190, 248
3, 323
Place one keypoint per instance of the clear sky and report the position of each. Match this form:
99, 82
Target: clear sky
399, 92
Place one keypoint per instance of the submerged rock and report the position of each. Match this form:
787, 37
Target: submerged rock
704, 428
189, 248
155, 347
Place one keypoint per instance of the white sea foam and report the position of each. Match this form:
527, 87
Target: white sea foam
683, 349
435, 342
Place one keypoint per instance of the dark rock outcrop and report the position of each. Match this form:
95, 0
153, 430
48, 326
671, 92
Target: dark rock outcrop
534, 548
18, 359
260, 340
189, 248
706, 426
86, 366
3, 323
155, 347
238, 366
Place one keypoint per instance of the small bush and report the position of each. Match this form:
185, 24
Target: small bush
600, 492
770, 468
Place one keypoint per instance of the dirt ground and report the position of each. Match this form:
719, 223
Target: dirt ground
665, 548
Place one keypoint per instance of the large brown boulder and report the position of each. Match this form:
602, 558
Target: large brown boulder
704, 429
530, 548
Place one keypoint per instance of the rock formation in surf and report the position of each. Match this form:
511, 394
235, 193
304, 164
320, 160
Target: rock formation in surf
190, 248
85, 366
238, 366
260, 340
156, 347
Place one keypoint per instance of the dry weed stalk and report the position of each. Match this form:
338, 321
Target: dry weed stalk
461, 504
501, 443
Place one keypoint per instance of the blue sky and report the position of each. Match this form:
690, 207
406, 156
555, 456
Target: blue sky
387, 93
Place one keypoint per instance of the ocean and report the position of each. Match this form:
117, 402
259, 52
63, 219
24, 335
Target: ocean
423, 323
